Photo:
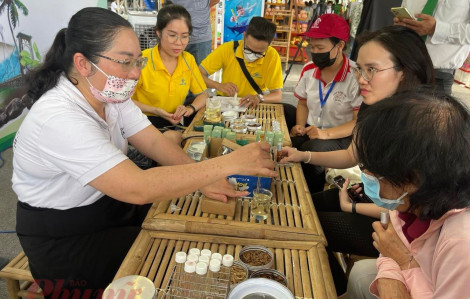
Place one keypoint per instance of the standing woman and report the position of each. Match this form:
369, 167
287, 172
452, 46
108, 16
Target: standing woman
170, 73
81, 201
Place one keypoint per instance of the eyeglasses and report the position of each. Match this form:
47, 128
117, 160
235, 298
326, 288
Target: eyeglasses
128, 64
248, 51
368, 73
173, 38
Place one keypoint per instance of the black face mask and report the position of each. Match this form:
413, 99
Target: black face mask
322, 60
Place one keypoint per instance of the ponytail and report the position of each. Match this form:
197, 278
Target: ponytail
47, 75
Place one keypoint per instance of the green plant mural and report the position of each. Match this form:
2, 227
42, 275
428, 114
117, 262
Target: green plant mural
12, 7
29, 61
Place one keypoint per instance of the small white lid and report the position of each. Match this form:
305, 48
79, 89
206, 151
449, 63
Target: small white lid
216, 256
204, 259
193, 258
180, 257
201, 268
189, 267
214, 265
227, 260
195, 251
206, 252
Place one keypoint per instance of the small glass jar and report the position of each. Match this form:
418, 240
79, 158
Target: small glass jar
252, 127
249, 118
238, 128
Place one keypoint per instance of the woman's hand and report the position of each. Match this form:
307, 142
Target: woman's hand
390, 245
297, 130
344, 200
253, 159
249, 101
293, 155
168, 116
220, 190
316, 133
228, 88
182, 111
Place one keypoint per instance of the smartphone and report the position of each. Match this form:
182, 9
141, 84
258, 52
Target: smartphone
402, 13
359, 197
338, 181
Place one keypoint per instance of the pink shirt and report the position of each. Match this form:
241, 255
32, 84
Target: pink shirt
442, 253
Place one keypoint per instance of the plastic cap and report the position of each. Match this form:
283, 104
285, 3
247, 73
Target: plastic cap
189, 267
193, 258
227, 260
216, 256
201, 268
206, 252
204, 259
180, 257
214, 265
195, 251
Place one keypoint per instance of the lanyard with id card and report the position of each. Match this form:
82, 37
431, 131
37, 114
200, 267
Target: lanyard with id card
323, 101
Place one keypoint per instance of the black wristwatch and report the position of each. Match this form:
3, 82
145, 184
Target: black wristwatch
192, 107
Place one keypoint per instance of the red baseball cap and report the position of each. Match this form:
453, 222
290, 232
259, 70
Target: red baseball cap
329, 25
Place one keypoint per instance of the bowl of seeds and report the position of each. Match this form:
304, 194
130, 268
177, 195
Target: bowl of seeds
270, 274
238, 273
256, 257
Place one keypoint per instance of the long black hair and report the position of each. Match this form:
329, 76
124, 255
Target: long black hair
90, 31
408, 53
421, 139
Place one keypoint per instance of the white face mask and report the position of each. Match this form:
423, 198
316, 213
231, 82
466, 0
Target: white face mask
116, 90
250, 57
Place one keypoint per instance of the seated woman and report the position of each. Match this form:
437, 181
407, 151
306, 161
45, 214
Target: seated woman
414, 151
328, 96
170, 74
384, 67
81, 201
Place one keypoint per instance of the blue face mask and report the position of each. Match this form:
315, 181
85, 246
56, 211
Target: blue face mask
372, 189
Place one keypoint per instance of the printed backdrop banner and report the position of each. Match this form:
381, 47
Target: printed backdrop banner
25, 37
237, 15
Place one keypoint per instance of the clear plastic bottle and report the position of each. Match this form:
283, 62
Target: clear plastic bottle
216, 256
193, 258
200, 281
187, 282
206, 252
195, 251
212, 275
180, 259
227, 260
204, 259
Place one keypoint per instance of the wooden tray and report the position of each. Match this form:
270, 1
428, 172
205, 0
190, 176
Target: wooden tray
292, 217
305, 264
263, 112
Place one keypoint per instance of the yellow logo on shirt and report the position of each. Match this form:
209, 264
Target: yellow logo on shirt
182, 82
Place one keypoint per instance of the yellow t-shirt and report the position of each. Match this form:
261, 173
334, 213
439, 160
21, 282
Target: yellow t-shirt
266, 71
157, 88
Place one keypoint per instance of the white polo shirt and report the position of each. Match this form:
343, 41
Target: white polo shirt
450, 44
63, 144
344, 97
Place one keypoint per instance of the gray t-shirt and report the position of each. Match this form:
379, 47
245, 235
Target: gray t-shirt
199, 11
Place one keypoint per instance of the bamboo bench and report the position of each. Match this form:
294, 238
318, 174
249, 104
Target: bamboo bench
19, 279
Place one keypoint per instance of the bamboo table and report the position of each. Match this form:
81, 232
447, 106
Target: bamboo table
305, 264
292, 217
265, 113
